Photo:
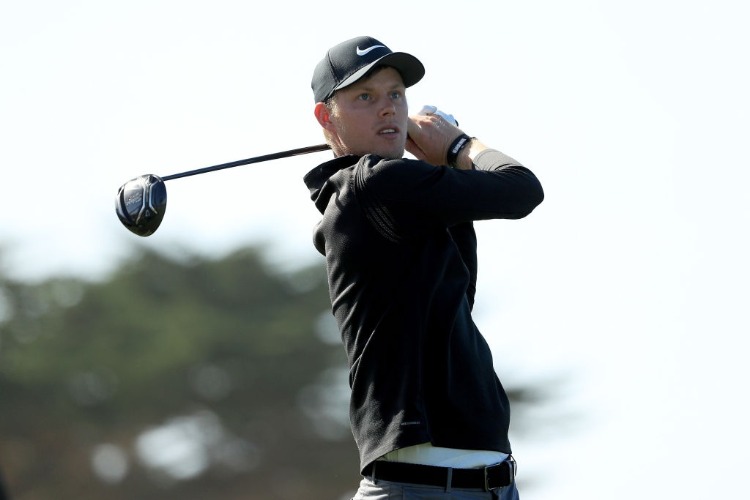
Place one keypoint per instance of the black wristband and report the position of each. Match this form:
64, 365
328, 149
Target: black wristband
458, 144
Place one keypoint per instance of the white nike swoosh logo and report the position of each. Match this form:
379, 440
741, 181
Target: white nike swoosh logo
361, 52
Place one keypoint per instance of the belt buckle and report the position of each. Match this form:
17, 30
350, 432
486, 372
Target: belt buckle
486, 479
511, 464
487, 475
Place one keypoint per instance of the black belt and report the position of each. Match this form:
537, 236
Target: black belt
485, 478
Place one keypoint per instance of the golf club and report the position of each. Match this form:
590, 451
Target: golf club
141, 202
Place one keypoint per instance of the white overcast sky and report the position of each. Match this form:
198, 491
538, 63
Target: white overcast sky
630, 280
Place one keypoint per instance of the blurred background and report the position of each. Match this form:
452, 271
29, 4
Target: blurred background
202, 362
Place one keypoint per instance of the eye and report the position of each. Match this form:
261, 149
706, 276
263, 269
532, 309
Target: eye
364, 96
396, 94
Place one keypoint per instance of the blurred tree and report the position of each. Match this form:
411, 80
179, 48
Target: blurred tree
186, 379
171, 379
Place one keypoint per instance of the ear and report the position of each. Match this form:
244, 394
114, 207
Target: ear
323, 115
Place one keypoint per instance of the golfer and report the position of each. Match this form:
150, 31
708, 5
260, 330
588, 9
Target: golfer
428, 413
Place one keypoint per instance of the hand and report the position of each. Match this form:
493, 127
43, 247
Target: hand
429, 137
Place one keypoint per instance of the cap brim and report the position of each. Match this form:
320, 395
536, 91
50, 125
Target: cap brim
410, 68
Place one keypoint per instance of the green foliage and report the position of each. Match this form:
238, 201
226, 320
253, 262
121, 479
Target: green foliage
225, 347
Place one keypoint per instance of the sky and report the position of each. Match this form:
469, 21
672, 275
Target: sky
628, 285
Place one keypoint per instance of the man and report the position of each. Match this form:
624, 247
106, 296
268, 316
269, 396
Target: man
427, 410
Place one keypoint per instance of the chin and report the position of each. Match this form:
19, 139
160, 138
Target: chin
389, 154
392, 153
391, 150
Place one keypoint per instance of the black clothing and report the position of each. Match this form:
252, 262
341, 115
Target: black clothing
400, 250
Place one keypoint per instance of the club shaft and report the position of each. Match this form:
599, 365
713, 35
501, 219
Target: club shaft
248, 161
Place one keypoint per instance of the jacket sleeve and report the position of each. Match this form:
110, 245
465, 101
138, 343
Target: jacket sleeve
419, 194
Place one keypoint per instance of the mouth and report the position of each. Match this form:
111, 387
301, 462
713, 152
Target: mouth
388, 131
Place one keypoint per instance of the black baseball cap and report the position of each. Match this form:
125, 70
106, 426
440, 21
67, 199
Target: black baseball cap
349, 61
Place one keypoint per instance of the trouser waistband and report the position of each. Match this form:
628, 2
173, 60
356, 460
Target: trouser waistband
485, 478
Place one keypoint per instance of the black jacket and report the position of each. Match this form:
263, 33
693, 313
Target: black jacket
400, 251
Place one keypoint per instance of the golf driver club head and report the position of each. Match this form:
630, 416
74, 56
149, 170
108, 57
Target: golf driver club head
141, 203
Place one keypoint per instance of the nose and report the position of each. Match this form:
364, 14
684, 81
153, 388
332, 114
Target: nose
387, 108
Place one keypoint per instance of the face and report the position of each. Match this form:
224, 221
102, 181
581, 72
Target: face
369, 116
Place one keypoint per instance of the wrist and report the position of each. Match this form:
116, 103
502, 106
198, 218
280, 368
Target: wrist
459, 144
